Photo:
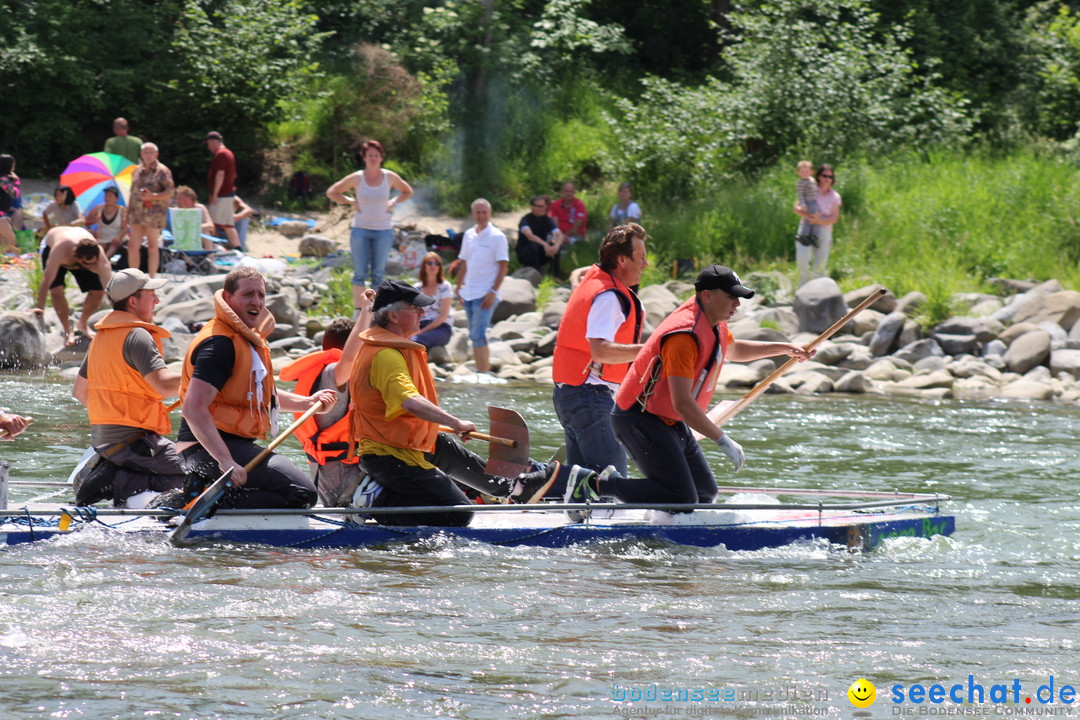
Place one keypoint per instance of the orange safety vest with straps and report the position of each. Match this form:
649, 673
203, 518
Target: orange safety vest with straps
332, 442
643, 383
369, 419
238, 408
116, 393
573, 356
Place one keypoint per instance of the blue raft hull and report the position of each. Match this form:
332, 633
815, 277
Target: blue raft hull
855, 530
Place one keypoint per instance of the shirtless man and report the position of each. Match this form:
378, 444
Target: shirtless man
73, 249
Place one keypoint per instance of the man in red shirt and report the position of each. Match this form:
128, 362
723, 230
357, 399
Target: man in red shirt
222, 183
570, 214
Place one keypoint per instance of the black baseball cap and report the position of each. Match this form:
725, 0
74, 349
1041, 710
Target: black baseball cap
718, 277
390, 291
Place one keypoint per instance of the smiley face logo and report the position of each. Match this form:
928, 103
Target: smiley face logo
862, 693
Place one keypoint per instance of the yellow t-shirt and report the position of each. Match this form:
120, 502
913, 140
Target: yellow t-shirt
390, 376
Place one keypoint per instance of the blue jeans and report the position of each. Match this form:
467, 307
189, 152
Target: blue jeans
479, 320
434, 337
585, 413
369, 250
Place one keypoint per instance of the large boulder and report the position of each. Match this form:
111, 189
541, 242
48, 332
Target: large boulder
22, 343
516, 296
884, 304
1065, 361
531, 274
659, 302
293, 228
317, 246
818, 304
984, 329
1061, 308
1028, 351
887, 331
916, 351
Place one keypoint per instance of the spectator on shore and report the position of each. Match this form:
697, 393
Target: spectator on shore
372, 231
123, 144
186, 199
242, 213
152, 191
539, 239
10, 193
485, 257
828, 206
221, 179
626, 210
63, 210
74, 250
570, 214
435, 323
110, 217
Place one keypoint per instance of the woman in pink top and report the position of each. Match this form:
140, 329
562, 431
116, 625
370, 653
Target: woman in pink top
372, 231
828, 202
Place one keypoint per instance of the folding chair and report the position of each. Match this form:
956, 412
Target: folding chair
187, 239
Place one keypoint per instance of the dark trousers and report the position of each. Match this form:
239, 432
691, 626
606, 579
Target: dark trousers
273, 483
675, 468
407, 485
532, 255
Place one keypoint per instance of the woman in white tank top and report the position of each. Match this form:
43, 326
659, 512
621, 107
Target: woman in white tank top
111, 220
372, 232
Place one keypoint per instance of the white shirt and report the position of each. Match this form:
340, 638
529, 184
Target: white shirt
605, 317
482, 252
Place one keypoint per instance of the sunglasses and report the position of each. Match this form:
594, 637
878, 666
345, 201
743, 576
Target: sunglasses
431, 262
826, 176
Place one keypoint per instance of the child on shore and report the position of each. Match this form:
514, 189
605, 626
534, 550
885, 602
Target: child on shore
806, 196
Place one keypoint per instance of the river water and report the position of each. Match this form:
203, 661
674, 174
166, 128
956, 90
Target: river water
97, 626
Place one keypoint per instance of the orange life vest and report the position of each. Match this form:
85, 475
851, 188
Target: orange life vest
573, 356
330, 443
368, 412
116, 393
643, 383
236, 409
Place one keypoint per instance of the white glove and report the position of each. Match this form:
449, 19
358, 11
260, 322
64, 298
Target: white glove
733, 450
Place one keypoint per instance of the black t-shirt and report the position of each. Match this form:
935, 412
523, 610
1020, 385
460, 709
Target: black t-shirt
541, 225
213, 362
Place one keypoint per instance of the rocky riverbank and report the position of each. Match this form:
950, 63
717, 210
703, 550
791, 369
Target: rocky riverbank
1023, 343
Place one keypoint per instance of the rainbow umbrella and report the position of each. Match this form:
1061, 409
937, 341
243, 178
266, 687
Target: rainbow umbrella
90, 174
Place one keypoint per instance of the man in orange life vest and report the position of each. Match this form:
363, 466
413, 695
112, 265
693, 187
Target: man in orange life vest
667, 391
396, 416
229, 400
599, 337
122, 382
325, 438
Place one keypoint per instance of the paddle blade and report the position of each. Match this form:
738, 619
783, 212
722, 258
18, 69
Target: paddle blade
502, 460
199, 509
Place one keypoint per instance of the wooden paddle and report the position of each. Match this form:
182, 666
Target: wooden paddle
198, 508
508, 443
724, 410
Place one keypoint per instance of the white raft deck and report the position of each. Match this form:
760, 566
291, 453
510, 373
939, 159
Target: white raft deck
750, 519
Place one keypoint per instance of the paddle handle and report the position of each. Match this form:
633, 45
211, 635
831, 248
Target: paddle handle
281, 438
775, 375
506, 442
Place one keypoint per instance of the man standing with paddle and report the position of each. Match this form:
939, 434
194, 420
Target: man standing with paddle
123, 382
599, 336
667, 391
396, 416
229, 401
